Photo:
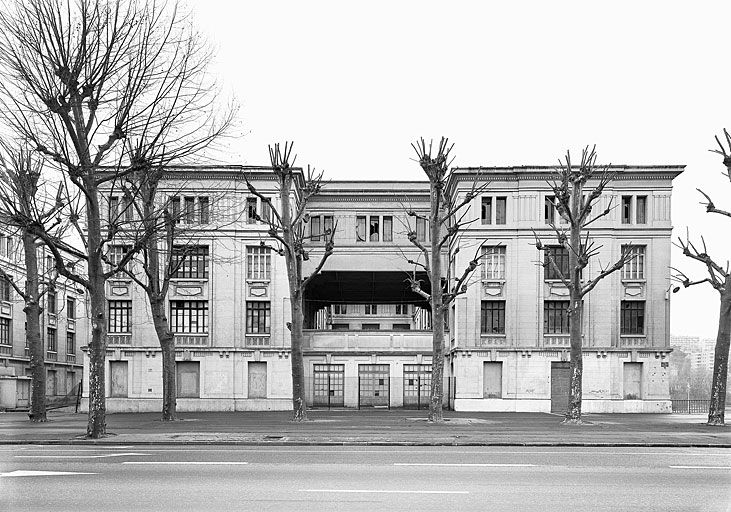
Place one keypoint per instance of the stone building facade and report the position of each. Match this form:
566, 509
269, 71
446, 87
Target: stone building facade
367, 336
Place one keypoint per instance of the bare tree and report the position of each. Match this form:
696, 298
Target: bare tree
719, 277
287, 226
82, 80
445, 221
27, 200
574, 203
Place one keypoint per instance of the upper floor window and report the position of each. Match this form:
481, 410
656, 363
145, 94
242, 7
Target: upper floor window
387, 228
51, 301
5, 288
556, 317
422, 232
634, 209
493, 262
375, 229
492, 317
561, 258
371, 309
258, 262
340, 309
190, 261
360, 228
402, 309
499, 205
250, 210
6, 245
189, 316
5, 332
120, 209
195, 210
626, 209
635, 267
204, 207
315, 228
116, 253
549, 210
632, 317
51, 339
641, 207
258, 317
120, 316
189, 212
70, 343
70, 308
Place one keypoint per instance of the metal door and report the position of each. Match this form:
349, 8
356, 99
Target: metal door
373, 385
417, 386
632, 381
257, 379
188, 379
118, 371
559, 387
329, 385
22, 393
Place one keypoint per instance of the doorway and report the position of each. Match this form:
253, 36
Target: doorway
373, 385
560, 378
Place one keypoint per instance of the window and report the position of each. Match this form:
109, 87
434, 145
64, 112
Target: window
10, 246
51, 302
70, 343
374, 230
493, 262
5, 288
127, 208
501, 204
340, 309
327, 226
189, 316
120, 316
421, 230
486, 211
116, 253
561, 259
492, 319
175, 207
360, 227
189, 212
632, 317
315, 229
190, 261
556, 317
371, 309
51, 339
258, 262
641, 207
387, 228
626, 209
250, 210
70, 308
635, 267
370, 327
549, 210
113, 209
5, 332
266, 211
402, 309
205, 210
340, 327
401, 327
258, 316
492, 384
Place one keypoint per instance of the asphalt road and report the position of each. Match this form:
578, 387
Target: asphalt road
138, 478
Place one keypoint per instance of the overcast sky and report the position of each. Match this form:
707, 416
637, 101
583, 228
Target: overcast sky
510, 83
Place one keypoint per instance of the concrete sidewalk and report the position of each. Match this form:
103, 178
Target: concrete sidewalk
372, 427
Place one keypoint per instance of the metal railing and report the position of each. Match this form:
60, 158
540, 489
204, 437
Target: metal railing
691, 406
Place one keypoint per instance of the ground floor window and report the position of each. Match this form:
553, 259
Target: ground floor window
187, 374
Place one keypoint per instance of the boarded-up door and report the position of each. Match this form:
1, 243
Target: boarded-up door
70, 381
118, 372
22, 393
188, 379
492, 383
374, 385
632, 381
257, 379
51, 383
559, 387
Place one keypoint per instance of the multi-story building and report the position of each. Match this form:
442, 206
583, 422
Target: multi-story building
367, 336
64, 327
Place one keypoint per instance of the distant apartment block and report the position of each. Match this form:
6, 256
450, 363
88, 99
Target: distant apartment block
367, 337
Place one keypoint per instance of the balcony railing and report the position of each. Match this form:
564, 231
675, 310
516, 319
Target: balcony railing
70, 358
6, 350
191, 340
632, 341
119, 339
258, 341
491, 340
51, 356
556, 340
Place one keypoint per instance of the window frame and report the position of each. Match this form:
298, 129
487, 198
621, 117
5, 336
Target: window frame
360, 228
51, 339
119, 316
6, 331
258, 317
636, 316
562, 262
195, 264
553, 325
182, 316
258, 263
489, 322
641, 212
498, 255
634, 269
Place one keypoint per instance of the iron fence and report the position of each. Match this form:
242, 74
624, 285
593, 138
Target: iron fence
691, 406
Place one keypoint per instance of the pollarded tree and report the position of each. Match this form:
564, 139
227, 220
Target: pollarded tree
445, 221
575, 198
82, 78
719, 277
287, 225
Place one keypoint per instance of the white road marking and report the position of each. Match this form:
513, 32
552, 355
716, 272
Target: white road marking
464, 464
700, 467
41, 473
105, 456
223, 463
381, 491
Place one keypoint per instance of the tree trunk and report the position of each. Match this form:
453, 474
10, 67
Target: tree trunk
167, 344
299, 406
96, 426
437, 309
576, 365
720, 360
33, 331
